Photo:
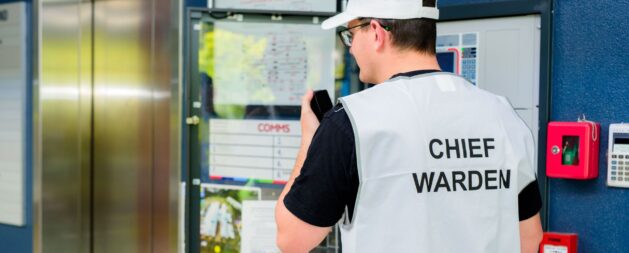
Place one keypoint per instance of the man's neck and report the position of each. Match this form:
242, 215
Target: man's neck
407, 61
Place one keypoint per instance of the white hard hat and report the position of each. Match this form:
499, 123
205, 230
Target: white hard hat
386, 9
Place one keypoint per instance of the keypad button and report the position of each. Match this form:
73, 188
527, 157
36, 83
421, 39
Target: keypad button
620, 178
626, 156
613, 167
614, 178
614, 156
614, 162
613, 173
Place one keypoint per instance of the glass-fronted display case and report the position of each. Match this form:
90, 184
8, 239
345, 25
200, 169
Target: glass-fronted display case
245, 75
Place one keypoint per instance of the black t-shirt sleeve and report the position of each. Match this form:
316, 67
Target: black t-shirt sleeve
529, 201
324, 187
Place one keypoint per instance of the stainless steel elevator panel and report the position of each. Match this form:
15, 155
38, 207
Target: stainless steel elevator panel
63, 172
167, 130
135, 59
123, 133
108, 175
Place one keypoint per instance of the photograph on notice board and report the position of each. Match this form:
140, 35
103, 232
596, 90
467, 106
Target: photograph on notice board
221, 216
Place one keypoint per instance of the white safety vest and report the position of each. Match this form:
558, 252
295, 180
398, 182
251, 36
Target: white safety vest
440, 163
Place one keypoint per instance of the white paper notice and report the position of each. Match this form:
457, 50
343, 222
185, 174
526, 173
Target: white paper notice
260, 149
270, 63
258, 227
12, 112
555, 249
281, 5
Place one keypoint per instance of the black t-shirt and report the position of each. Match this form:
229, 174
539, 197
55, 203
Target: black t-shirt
328, 182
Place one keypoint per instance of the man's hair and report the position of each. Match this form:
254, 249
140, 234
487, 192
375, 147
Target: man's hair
418, 34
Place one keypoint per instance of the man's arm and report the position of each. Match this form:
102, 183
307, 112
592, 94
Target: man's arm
530, 234
293, 234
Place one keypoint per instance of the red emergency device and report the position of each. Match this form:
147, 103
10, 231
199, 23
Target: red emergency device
572, 150
558, 243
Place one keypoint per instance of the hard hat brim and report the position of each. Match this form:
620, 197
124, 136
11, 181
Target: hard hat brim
338, 20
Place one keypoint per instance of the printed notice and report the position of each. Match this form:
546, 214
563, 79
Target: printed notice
555, 249
259, 230
12, 112
278, 5
260, 149
270, 63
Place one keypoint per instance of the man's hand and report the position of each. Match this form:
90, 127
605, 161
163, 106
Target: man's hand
293, 234
309, 122
531, 234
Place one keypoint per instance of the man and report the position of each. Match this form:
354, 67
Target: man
422, 162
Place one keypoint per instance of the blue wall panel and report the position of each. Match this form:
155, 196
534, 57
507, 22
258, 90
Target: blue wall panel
196, 3
20, 239
591, 77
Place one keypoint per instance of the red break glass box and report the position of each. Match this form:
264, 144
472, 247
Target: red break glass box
558, 243
572, 150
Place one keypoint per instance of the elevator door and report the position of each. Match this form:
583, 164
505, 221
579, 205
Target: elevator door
110, 168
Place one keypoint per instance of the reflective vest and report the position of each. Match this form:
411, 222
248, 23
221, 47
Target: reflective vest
440, 163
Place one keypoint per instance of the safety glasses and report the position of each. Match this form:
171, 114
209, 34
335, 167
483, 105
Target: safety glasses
347, 36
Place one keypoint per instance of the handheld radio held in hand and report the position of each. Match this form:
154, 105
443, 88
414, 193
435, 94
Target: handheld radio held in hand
320, 103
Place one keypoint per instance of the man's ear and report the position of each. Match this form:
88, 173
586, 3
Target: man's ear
380, 35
